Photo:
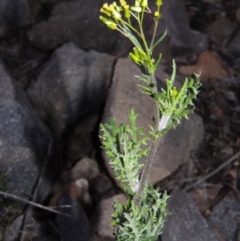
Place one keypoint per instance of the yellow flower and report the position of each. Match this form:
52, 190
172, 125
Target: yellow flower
137, 3
102, 10
174, 92
123, 3
144, 3
127, 13
136, 9
158, 3
111, 24
116, 14
157, 15
105, 5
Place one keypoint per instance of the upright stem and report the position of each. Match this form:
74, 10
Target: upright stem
153, 149
145, 173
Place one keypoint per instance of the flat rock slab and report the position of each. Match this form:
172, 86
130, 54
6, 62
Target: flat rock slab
72, 85
185, 223
226, 216
24, 139
175, 147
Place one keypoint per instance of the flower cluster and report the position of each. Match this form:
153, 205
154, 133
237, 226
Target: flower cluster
114, 13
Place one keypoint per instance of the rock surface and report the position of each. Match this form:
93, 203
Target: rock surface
74, 225
76, 21
225, 216
185, 222
103, 228
17, 13
220, 30
85, 168
209, 65
175, 147
24, 140
72, 86
234, 47
11, 232
175, 21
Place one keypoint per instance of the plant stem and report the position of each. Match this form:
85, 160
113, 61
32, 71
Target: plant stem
153, 149
145, 173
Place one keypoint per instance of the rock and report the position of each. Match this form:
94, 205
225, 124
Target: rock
74, 225
51, 2
25, 142
212, 1
85, 168
77, 190
185, 222
201, 41
47, 238
238, 15
80, 140
102, 185
12, 230
17, 13
72, 86
175, 21
76, 21
225, 216
103, 218
201, 198
175, 147
220, 30
234, 47
209, 65
22, 59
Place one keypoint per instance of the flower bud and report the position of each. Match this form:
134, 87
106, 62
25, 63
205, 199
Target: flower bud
127, 13
136, 9
116, 15
157, 15
158, 3
144, 3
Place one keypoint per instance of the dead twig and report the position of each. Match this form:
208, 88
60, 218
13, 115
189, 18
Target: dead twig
227, 162
8, 195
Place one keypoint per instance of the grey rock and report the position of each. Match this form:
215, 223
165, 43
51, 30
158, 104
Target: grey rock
85, 168
175, 21
51, 2
238, 15
226, 216
72, 85
13, 229
17, 13
103, 216
185, 221
24, 140
80, 142
234, 46
200, 41
47, 238
76, 21
74, 225
175, 147
220, 30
